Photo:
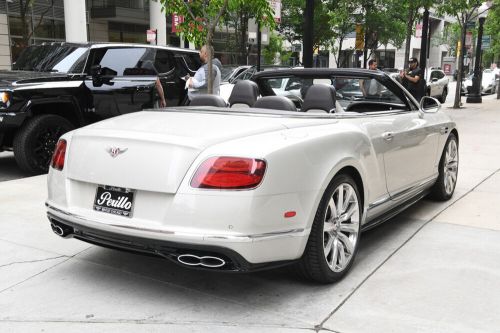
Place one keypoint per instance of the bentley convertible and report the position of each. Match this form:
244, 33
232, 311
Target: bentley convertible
290, 173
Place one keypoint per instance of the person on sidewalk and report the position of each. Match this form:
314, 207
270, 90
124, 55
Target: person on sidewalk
198, 84
413, 79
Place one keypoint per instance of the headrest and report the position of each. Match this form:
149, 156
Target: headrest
275, 102
244, 92
319, 97
207, 100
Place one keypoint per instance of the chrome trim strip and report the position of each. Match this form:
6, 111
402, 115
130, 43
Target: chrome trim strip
379, 202
298, 232
414, 188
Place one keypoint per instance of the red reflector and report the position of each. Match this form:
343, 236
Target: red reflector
290, 214
229, 173
59, 155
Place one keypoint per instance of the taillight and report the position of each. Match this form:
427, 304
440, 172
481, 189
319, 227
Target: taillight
59, 155
229, 173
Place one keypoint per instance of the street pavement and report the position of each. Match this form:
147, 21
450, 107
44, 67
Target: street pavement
433, 268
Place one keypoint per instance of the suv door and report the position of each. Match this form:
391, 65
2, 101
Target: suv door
120, 80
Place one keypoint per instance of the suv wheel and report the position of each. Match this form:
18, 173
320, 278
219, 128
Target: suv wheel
35, 141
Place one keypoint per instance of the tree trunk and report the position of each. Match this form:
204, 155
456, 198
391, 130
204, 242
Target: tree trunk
210, 75
458, 98
409, 30
341, 41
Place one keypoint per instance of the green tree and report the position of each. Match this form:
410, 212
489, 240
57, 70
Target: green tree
342, 22
464, 11
202, 17
275, 47
492, 28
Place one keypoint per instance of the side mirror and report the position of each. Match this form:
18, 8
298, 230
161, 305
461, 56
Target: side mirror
95, 70
429, 104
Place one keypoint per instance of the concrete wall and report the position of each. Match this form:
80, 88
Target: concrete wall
4, 43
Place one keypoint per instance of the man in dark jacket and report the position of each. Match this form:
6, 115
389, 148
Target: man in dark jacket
413, 78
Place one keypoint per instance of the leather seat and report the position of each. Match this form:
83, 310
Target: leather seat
244, 94
319, 98
208, 100
276, 103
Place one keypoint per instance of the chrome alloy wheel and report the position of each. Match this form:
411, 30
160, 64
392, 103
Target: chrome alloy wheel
450, 166
341, 227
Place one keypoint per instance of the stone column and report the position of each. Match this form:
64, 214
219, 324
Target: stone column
158, 21
75, 21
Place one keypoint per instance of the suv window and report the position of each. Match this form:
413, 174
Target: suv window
127, 61
163, 61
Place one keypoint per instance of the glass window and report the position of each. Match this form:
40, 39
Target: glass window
163, 61
128, 61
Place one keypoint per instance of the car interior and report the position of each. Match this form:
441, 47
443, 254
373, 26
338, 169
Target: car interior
314, 95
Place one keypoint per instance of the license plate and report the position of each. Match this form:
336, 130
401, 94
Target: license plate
114, 200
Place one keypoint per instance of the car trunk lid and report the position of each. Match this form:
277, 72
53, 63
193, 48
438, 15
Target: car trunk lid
152, 151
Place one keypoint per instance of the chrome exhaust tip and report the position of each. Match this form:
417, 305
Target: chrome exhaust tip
203, 261
61, 230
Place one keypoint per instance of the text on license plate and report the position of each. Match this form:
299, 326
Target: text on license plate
114, 200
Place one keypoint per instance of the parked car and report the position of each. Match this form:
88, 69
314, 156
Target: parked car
228, 73
227, 87
58, 87
488, 83
437, 84
243, 189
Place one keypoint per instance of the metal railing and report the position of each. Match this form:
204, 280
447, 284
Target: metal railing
134, 4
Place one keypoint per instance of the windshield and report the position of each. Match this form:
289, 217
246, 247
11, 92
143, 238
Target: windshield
52, 58
226, 72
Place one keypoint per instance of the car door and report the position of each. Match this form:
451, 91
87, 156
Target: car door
126, 82
410, 153
434, 86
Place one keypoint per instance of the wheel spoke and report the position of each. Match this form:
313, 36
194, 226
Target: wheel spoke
333, 209
329, 246
333, 260
340, 199
349, 227
346, 242
342, 258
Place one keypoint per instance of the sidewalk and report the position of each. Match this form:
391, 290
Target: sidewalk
434, 268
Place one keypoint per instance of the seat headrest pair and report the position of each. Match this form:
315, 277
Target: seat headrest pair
319, 97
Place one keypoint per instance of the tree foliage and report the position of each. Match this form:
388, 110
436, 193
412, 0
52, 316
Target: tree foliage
201, 17
492, 28
463, 11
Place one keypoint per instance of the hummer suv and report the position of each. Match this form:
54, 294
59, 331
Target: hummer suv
55, 88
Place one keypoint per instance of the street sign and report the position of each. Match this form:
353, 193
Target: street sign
470, 25
418, 31
276, 7
151, 35
485, 42
468, 39
360, 37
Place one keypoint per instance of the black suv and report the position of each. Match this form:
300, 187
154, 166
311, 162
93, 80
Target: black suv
55, 88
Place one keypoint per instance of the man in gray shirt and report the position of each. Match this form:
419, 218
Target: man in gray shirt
198, 84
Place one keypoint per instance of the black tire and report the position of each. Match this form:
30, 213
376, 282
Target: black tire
443, 96
314, 264
446, 182
35, 142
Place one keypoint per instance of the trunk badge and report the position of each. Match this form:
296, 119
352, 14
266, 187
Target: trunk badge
115, 151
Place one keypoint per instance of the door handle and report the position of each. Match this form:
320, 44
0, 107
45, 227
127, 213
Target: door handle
388, 136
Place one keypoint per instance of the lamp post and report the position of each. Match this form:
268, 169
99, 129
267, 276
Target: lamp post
475, 95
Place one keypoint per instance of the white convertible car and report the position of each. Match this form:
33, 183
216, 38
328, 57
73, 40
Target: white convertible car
246, 188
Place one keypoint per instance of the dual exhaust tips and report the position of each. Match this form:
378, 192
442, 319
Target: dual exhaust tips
203, 261
185, 259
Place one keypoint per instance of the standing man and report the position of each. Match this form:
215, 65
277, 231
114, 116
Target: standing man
371, 88
413, 79
198, 84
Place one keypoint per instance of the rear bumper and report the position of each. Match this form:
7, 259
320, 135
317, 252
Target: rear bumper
235, 250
